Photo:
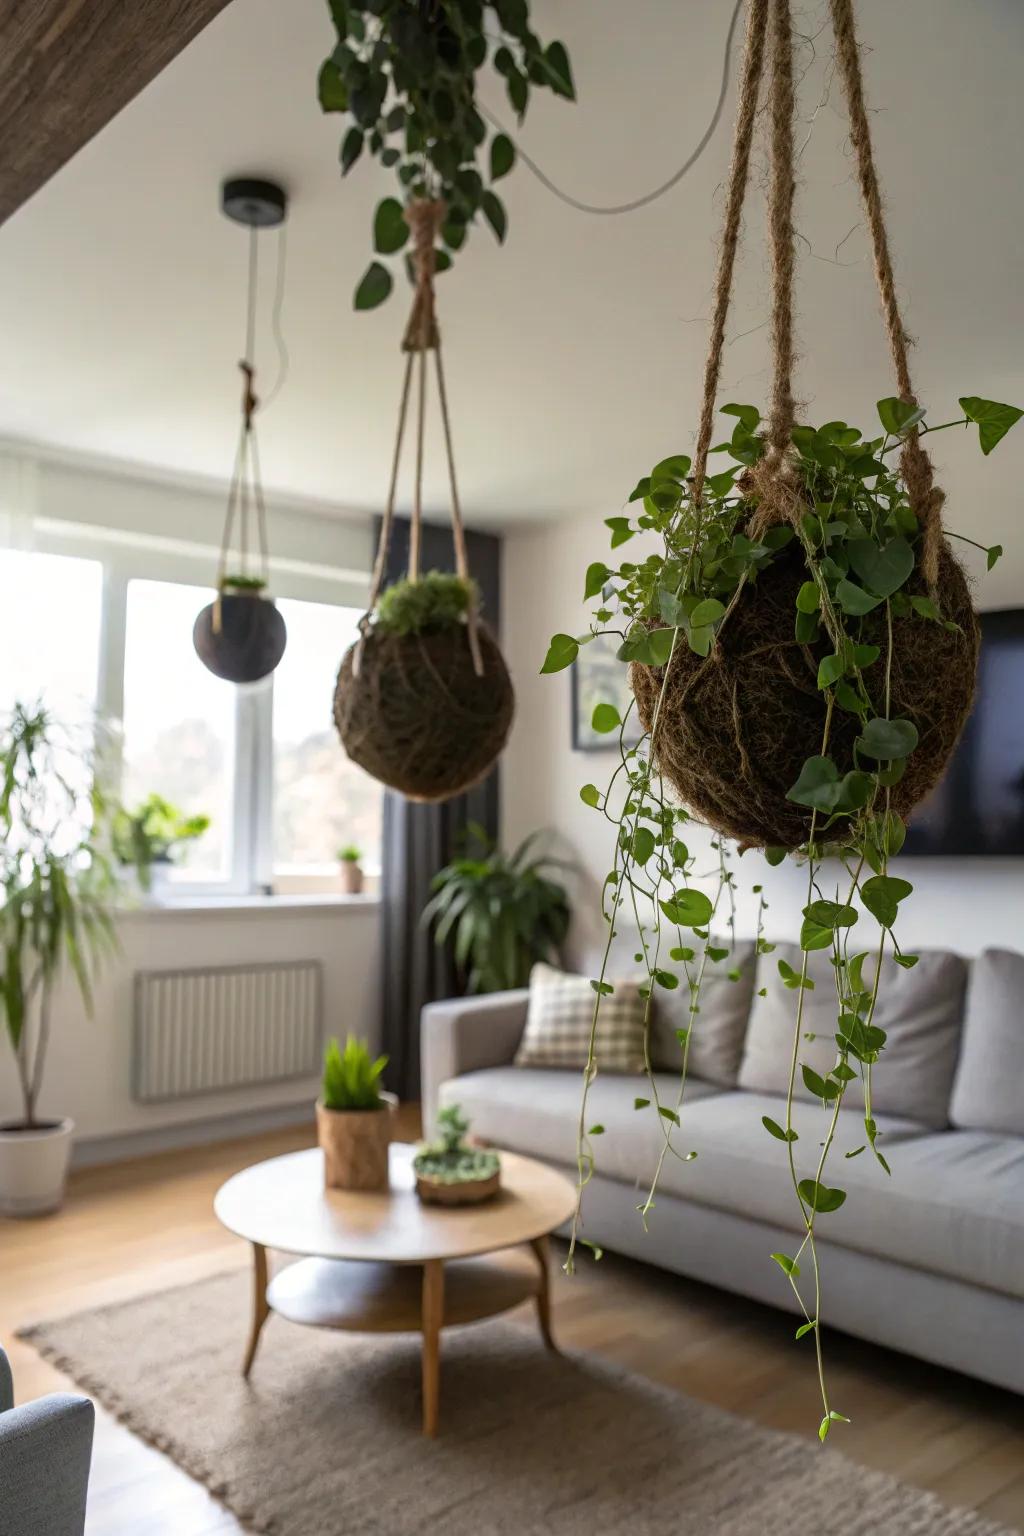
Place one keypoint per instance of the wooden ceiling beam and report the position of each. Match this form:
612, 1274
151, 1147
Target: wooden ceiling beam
68, 66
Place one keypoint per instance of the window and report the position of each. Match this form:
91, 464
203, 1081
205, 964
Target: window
263, 763
179, 722
321, 800
50, 617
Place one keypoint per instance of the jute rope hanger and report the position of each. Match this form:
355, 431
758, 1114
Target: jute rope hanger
425, 217
775, 478
245, 493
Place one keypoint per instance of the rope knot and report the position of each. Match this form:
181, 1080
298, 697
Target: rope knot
250, 400
424, 217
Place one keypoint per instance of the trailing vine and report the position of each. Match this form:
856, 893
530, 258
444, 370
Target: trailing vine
404, 72
862, 545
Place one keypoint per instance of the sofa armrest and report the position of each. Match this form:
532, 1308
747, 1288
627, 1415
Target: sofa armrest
466, 1034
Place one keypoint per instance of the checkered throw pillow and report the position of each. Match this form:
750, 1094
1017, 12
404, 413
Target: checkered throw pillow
559, 1018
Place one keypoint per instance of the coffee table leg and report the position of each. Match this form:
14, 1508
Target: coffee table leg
260, 1310
542, 1250
433, 1316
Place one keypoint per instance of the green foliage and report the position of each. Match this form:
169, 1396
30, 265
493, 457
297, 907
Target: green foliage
57, 886
449, 1160
502, 912
405, 75
452, 1126
350, 854
149, 834
242, 583
435, 601
861, 543
351, 1077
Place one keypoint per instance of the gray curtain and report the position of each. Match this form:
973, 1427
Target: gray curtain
418, 840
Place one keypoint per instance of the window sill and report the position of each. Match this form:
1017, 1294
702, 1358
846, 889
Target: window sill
259, 906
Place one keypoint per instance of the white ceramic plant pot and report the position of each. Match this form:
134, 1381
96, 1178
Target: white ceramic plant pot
160, 882
33, 1167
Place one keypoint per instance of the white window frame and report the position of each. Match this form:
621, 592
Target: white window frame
124, 559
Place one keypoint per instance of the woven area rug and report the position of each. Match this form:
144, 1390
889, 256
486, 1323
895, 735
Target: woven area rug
324, 1439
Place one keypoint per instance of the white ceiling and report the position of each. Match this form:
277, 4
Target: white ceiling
574, 353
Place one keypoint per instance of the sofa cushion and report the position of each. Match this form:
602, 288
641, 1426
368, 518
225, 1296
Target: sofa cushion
716, 1044
952, 1205
537, 1112
560, 1019
988, 1092
720, 1028
920, 1010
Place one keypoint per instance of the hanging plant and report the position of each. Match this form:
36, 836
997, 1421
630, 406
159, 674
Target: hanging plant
801, 649
405, 74
241, 636
423, 699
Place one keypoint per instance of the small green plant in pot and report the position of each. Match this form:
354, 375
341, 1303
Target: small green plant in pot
350, 860
148, 837
449, 1171
353, 1117
502, 912
57, 896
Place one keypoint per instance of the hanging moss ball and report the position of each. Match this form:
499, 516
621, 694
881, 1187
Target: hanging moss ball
417, 717
251, 638
737, 726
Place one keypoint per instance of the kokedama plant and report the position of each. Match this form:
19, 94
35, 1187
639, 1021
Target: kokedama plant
801, 648
502, 911
423, 699
405, 73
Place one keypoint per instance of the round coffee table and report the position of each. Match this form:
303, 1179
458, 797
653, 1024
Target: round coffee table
383, 1262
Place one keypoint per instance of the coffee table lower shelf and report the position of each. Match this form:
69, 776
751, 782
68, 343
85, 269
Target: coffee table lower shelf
370, 1297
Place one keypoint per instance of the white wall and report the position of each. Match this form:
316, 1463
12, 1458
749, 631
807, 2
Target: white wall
89, 1070
965, 904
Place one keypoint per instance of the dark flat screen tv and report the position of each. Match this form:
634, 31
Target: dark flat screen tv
979, 806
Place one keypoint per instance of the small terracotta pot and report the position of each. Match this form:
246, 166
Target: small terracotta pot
351, 878
355, 1144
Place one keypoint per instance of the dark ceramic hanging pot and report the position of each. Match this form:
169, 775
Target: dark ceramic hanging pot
240, 636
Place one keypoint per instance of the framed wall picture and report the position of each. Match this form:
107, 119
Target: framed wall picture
598, 678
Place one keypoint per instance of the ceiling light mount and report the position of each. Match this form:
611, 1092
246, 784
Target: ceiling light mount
256, 203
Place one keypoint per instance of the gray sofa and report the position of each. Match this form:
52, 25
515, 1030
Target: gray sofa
45, 1449
930, 1261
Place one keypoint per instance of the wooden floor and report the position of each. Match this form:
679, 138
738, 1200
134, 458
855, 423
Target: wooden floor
149, 1224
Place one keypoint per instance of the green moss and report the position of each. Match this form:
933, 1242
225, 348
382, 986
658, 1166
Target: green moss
436, 601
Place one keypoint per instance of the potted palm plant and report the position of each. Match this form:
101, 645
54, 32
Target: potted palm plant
57, 890
501, 910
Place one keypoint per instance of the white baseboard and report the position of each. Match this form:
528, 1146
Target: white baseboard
95, 1150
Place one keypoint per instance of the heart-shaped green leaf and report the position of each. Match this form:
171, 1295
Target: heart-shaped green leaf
882, 570
994, 420
887, 740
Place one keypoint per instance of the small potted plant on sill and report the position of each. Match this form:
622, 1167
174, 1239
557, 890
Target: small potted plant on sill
57, 895
350, 860
240, 636
353, 1117
450, 1171
148, 837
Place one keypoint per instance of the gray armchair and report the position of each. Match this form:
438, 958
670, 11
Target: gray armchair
45, 1449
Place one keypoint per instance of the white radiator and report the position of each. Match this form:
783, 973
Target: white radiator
202, 1031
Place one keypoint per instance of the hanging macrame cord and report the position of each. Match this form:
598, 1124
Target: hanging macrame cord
245, 493
424, 217
774, 478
